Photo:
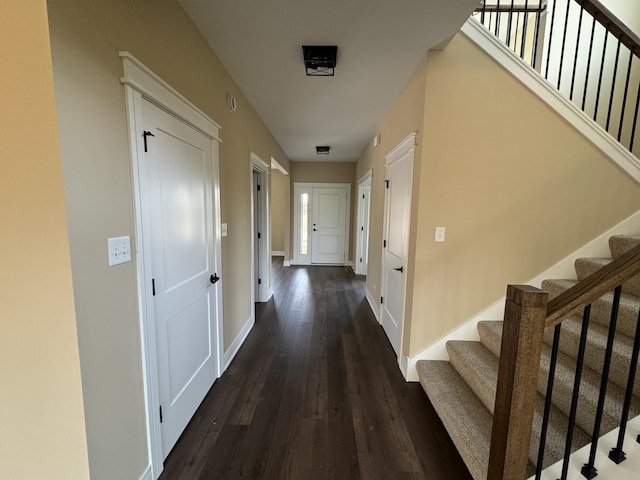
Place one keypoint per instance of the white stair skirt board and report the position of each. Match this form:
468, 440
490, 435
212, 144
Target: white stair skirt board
599, 247
374, 307
147, 474
230, 354
627, 470
488, 42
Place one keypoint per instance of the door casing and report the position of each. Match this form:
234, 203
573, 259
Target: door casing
139, 83
260, 249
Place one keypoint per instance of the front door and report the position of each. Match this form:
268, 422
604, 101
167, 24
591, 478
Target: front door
328, 228
397, 223
179, 182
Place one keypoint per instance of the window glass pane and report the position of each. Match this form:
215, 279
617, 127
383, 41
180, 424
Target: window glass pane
304, 224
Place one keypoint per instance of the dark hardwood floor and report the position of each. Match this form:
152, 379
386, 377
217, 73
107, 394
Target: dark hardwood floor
315, 393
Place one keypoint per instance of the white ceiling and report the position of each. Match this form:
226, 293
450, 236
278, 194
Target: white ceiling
380, 43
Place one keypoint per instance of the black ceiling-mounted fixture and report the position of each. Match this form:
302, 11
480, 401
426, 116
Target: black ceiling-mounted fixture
322, 150
320, 61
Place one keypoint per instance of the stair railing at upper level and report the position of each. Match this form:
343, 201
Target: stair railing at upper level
528, 313
581, 48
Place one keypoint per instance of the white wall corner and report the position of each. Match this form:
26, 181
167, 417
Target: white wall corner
597, 248
230, 354
597, 135
374, 306
147, 474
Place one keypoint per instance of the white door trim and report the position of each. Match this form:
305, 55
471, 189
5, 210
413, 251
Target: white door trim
408, 145
141, 83
365, 181
297, 186
264, 291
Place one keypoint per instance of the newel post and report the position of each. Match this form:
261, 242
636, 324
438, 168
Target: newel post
524, 317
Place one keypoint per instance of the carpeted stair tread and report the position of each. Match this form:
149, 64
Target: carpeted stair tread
620, 244
588, 266
464, 416
491, 334
601, 309
478, 367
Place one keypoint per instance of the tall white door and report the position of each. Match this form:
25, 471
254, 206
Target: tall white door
397, 223
364, 207
328, 229
179, 182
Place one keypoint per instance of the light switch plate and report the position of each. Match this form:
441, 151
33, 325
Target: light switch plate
439, 234
119, 250
223, 229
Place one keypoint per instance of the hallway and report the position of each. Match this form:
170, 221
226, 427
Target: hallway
315, 393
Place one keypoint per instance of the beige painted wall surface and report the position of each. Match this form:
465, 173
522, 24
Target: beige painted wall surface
42, 433
327, 172
280, 200
405, 117
512, 206
86, 39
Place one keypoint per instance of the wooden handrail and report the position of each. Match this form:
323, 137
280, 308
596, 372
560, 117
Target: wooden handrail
593, 287
612, 23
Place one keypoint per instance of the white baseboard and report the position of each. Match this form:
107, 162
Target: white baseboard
239, 340
598, 247
269, 294
597, 135
352, 265
147, 474
277, 253
286, 263
374, 306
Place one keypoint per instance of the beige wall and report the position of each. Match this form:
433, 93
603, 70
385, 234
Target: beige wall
86, 39
406, 116
327, 172
280, 217
512, 206
42, 429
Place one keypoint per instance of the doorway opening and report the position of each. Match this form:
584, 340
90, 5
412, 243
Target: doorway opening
362, 226
260, 236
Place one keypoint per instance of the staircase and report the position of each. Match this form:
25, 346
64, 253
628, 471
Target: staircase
463, 390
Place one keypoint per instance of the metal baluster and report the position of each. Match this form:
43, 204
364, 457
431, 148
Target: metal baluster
498, 19
483, 11
536, 35
575, 58
588, 470
586, 80
553, 19
613, 84
564, 42
626, 93
576, 390
616, 454
509, 25
515, 40
604, 54
635, 119
524, 28
547, 400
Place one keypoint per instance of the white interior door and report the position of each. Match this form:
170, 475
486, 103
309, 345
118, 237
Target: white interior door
397, 223
257, 233
328, 229
364, 207
179, 182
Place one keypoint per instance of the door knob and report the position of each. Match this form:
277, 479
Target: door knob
214, 278
399, 269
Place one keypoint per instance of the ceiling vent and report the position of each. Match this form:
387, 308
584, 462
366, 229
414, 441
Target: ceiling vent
320, 61
322, 150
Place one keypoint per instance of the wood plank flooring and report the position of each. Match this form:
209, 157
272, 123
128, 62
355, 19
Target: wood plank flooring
315, 393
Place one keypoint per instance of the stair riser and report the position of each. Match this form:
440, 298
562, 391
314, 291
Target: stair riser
620, 244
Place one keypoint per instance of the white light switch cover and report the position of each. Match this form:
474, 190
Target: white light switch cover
439, 234
119, 250
223, 229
